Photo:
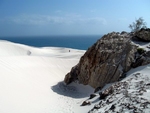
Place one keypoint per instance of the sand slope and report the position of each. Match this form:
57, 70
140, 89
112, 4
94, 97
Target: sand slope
31, 80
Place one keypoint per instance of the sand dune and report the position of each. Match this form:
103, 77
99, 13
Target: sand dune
31, 80
13, 49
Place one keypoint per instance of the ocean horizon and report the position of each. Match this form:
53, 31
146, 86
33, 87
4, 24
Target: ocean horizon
82, 42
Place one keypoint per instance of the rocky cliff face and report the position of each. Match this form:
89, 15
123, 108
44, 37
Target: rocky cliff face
106, 61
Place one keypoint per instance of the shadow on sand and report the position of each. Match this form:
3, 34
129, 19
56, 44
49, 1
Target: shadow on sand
73, 90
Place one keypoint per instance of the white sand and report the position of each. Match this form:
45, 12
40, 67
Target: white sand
31, 80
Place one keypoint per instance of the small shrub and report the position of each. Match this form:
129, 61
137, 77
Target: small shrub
140, 50
137, 25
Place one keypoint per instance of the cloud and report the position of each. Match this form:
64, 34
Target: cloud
39, 19
69, 19
35, 19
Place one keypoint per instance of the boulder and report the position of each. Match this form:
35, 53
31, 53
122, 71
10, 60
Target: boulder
86, 103
105, 61
106, 92
108, 60
92, 96
143, 35
141, 60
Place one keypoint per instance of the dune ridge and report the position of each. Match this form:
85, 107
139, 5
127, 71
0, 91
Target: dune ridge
30, 79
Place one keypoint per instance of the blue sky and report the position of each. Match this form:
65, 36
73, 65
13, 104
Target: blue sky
69, 17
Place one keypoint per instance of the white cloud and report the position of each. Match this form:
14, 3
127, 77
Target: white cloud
69, 19
33, 19
38, 19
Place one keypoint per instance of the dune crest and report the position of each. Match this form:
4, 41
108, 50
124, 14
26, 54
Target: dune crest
30, 79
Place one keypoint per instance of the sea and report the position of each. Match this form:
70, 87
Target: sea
82, 42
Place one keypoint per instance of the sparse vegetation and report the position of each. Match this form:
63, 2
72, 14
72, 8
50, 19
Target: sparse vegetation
140, 50
137, 25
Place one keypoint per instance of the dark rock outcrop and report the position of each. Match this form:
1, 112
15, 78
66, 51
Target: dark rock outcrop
92, 96
107, 60
142, 60
105, 93
86, 103
143, 35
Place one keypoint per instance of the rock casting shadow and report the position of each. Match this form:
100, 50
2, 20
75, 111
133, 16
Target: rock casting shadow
68, 90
